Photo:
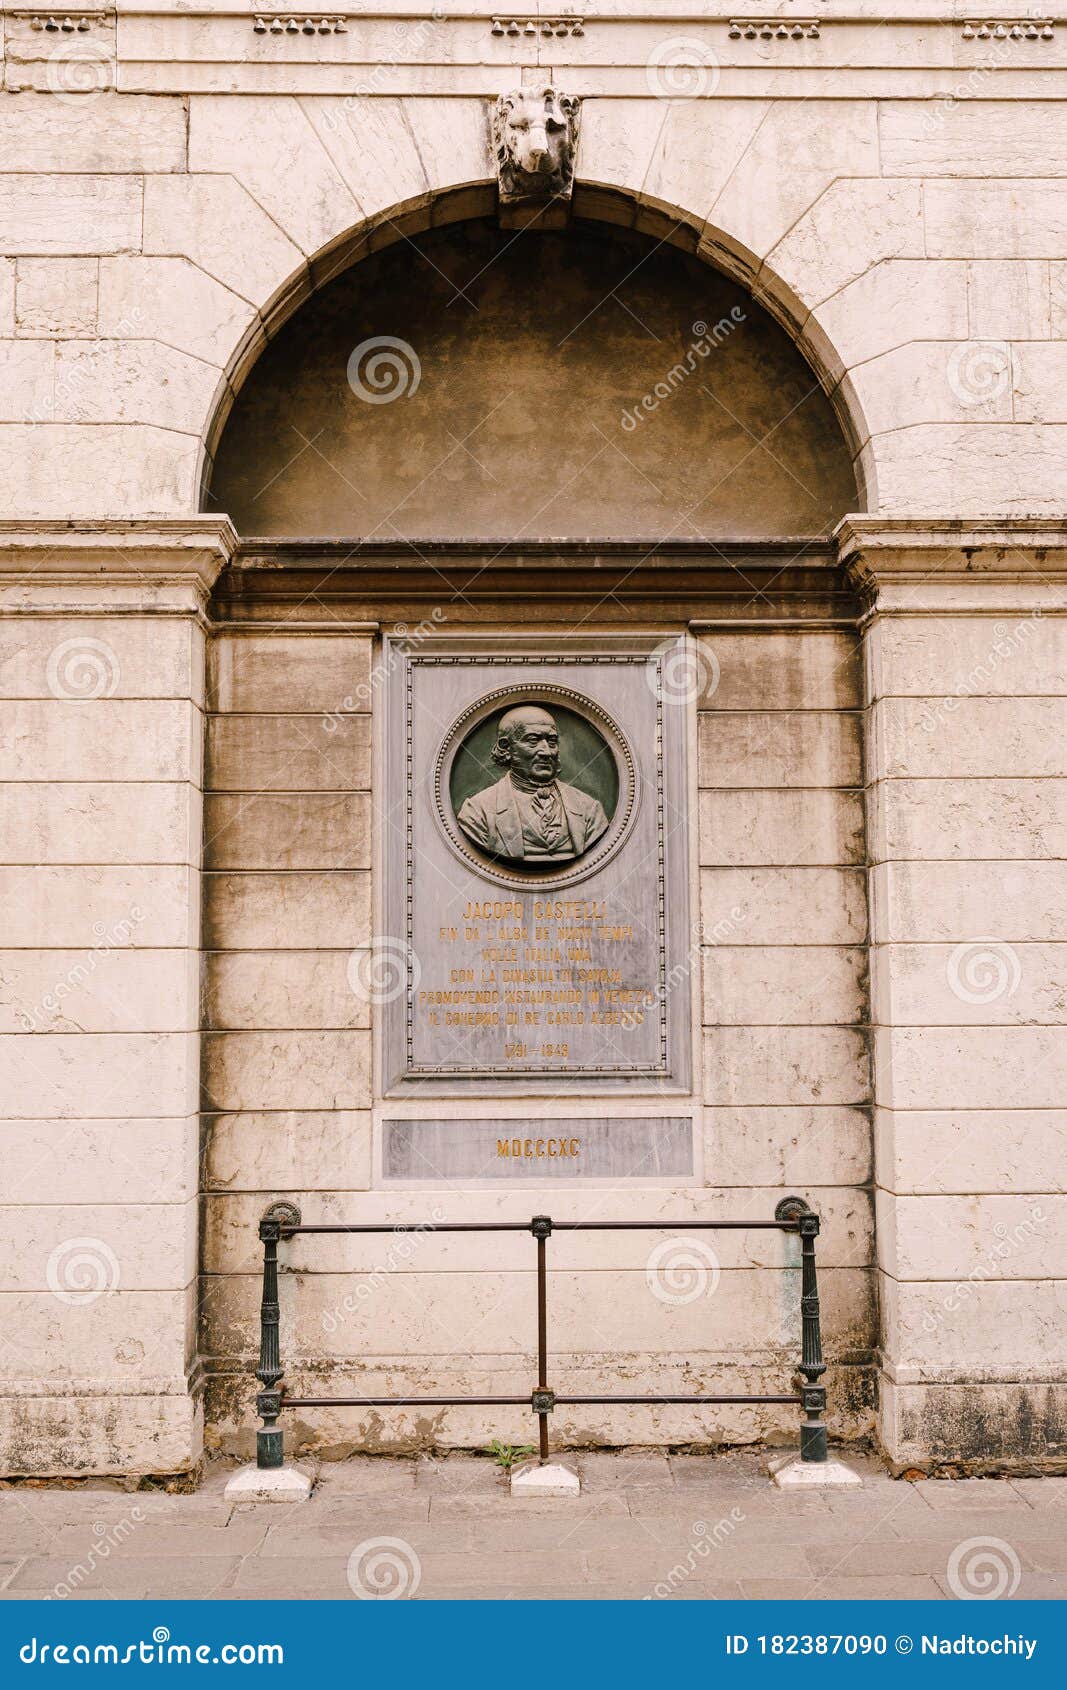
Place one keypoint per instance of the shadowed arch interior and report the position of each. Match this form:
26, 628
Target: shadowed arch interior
585, 384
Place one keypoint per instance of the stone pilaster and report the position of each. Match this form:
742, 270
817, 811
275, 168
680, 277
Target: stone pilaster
102, 635
966, 706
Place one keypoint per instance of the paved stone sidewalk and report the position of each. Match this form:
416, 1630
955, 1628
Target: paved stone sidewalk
689, 1527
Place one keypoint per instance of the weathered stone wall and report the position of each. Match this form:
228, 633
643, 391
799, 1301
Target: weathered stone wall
288, 1068
895, 193
287, 911
964, 684
784, 967
905, 228
781, 842
103, 698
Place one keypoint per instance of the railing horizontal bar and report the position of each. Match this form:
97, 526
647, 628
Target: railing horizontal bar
698, 1398
412, 1226
406, 1402
672, 1226
557, 1226
507, 1402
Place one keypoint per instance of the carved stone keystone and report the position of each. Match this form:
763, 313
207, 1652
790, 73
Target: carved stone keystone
535, 139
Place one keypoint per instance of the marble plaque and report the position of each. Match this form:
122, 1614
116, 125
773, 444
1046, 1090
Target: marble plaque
637, 1147
535, 864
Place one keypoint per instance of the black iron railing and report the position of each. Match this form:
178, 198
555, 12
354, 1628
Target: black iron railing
282, 1221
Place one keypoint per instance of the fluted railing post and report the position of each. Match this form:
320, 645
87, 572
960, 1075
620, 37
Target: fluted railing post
812, 1366
813, 1395
270, 1438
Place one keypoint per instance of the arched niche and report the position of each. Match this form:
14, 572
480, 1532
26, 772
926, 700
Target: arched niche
591, 383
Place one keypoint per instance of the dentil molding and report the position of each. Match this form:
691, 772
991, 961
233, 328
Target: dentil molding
468, 48
299, 23
1010, 29
774, 29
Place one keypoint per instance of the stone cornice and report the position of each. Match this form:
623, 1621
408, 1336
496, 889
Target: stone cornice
161, 564
615, 49
955, 564
736, 581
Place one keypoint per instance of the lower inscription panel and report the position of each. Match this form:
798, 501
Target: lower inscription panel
637, 1147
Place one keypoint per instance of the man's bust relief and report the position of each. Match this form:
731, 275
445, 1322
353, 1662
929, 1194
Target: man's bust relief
531, 816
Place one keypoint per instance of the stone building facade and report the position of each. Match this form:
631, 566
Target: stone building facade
298, 385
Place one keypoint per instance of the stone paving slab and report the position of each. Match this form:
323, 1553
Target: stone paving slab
957, 1494
678, 1528
964, 1521
295, 1578
871, 1559
501, 1503
624, 1472
887, 1588
726, 1592
68, 1507
729, 1561
1042, 1493
1033, 1587
691, 1502
370, 1477
456, 1475
328, 1508
27, 1537
335, 1544
173, 1577
239, 1537
534, 1569
1043, 1550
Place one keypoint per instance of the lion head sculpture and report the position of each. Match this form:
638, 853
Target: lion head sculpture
535, 135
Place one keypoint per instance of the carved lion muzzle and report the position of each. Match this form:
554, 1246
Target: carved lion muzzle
535, 133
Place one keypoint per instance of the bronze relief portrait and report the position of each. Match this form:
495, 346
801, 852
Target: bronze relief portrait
535, 786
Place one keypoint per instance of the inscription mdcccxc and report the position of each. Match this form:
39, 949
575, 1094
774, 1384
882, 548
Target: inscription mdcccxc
639, 1147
